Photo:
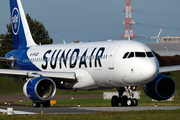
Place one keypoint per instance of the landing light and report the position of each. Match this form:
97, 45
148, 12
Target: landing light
62, 82
134, 87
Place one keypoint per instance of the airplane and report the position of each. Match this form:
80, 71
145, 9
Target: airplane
120, 64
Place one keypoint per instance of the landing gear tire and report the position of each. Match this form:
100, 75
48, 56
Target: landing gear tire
135, 102
124, 100
35, 104
130, 102
115, 101
46, 104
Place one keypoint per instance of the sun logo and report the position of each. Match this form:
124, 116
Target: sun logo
15, 21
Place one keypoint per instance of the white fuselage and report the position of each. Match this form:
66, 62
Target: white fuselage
102, 60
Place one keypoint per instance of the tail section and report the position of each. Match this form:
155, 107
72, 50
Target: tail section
22, 37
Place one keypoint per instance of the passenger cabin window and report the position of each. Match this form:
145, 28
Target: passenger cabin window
149, 54
140, 54
131, 55
125, 55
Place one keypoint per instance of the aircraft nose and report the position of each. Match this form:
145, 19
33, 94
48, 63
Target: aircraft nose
149, 70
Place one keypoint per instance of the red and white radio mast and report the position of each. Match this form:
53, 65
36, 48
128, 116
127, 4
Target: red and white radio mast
128, 22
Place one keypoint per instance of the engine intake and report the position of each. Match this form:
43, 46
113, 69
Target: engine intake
39, 89
161, 88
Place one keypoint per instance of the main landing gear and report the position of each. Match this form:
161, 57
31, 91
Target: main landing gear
123, 99
37, 104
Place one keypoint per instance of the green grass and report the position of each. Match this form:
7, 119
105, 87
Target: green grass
93, 102
8, 87
84, 102
176, 77
130, 115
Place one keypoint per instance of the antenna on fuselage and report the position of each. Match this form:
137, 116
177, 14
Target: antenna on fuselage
64, 41
129, 38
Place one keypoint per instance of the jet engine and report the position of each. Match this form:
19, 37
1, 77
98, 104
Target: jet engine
162, 87
39, 89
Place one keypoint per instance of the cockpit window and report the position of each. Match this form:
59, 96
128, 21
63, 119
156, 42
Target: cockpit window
140, 54
125, 55
131, 55
149, 54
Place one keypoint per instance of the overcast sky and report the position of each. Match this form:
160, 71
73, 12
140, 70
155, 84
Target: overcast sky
93, 20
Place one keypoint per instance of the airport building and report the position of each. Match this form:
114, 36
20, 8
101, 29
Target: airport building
168, 39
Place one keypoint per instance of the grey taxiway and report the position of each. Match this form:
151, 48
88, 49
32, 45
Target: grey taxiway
83, 110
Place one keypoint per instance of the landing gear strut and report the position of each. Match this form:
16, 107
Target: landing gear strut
123, 99
37, 104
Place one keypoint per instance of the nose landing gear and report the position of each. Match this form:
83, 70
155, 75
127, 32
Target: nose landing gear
123, 99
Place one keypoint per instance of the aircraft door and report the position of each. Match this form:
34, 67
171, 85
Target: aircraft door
111, 57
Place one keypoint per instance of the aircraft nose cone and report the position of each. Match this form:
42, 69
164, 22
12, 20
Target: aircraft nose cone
149, 70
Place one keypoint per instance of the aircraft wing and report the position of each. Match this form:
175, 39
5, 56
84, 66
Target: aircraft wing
169, 69
17, 74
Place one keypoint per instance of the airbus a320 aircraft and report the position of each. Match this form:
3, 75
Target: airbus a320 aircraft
84, 66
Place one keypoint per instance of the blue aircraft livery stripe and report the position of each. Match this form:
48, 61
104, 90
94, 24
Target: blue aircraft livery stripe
20, 55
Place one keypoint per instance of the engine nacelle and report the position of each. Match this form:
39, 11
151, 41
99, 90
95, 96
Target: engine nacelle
39, 89
161, 88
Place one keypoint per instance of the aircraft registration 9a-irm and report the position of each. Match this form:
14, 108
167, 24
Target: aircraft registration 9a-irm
83, 66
